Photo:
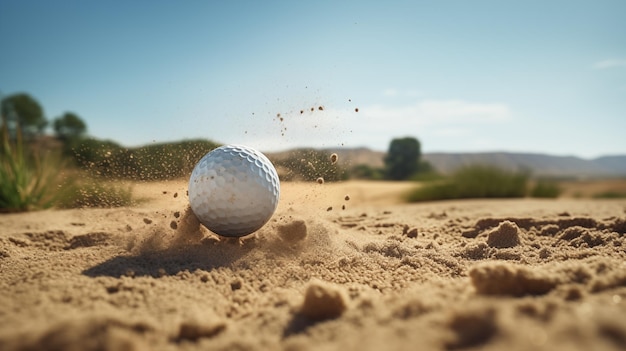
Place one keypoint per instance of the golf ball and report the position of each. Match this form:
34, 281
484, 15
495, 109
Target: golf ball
234, 190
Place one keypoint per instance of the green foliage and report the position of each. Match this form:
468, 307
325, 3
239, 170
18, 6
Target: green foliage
95, 193
69, 126
310, 164
610, 194
98, 156
151, 162
546, 189
490, 182
426, 173
23, 112
473, 182
444, 190
364, 171
403, 158
26, 181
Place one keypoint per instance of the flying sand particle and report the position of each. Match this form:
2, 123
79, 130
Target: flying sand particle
333, 158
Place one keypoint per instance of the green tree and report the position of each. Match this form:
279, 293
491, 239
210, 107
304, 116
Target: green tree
69, 126
403, 158
24, 112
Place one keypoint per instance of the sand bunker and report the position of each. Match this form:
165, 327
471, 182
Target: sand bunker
515, 274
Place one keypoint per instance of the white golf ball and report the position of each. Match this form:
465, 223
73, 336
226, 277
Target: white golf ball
234, 190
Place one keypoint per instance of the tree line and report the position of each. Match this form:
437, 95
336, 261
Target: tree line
22, 112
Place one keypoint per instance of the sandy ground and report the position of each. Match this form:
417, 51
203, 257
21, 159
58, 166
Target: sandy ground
379, 274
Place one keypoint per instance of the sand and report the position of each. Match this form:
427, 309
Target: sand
376, 275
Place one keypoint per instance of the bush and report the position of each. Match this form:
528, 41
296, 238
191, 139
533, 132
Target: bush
310, 164
546, 189
610, 194
95, 193
473, 182
434, 191
150, 162
27, 180
364, 171
426, 173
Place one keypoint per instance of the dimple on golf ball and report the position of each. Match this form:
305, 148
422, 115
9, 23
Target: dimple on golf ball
234, 190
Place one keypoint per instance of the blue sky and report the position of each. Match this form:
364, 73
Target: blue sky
461, 76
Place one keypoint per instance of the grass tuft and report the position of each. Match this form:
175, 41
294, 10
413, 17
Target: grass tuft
27, 180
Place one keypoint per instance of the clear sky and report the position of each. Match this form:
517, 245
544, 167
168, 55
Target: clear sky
461, 76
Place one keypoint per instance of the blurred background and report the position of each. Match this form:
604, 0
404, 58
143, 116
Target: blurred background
142, 89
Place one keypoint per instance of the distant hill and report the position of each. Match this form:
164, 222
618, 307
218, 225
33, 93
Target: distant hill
538, 164
347, 156
616, 164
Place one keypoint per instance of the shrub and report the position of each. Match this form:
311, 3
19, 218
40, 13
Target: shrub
610, 194
546, 189
473, 182
363, 171
150, 162
426, 172
95, 193
309, 164
434, 191
27, 180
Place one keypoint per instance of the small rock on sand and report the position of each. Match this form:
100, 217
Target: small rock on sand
323, 300
412, 233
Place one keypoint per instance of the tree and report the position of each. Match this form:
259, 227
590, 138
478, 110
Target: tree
24, 112
402, 159
69, 126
